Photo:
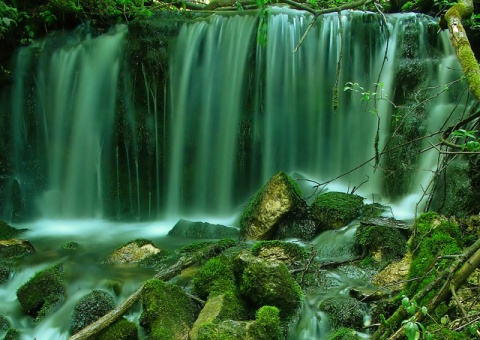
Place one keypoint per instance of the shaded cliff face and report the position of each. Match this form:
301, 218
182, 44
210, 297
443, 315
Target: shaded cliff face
182, 117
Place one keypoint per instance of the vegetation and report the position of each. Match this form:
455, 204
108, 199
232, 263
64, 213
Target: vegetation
336, 209
39, 295
90, 308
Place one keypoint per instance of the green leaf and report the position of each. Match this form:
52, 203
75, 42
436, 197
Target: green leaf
411, 331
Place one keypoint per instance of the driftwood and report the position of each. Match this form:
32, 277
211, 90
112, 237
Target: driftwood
165, 275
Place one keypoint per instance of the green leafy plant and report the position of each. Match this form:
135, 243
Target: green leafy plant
471, 142
413, 328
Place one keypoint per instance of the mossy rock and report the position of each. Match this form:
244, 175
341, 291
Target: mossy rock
90, 308
168, 313
13, 334
227, 306
122, 329
202, 230
15, 248
71, 245
436, 236
344, 333
215, 277
335, 209
4, 274
4, 324
41, 293
276, 202
382, 242
7, 232
344, 311
265, 327
270, 283
133, 252
287, 252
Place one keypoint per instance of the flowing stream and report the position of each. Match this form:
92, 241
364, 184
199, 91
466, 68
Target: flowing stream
232, 114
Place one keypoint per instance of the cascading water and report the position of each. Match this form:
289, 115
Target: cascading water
234, 113
85, 144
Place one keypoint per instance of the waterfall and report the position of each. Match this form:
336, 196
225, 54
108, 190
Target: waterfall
88, 141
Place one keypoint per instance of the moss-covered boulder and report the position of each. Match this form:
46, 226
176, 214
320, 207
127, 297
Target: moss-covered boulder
335, 209
344, 311
279, 200
344, 333
89, 308
215, 277
13, 248
121, 329
167, 312
227, 306
13, 334
381, 243
4, 274
7, 232
41, 293
269, 283
133, 252
202, 230
4, 325
286, 252
265, 327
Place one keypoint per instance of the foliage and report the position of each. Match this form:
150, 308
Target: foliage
344, 333
470, 141
412, 326
9, 18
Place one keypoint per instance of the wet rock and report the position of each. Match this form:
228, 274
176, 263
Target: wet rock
41, 293
210, 313
167, 312
269, 283
334, 210
303, 229
4, 274
276, 202
286, 252
7, 232
392, 278
133, 252
90, 308
15, 248
202, 230
344, 312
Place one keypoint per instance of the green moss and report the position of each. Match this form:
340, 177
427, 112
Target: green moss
4, 324
4, 274
294, 251
344, 333
266, 325
13, 334
344, 312
436, 236
70, 246
167, 312
115, 286
271, 284
336, 209
122, 329
39, 295
214, 277
206, 249
7, 232
227, 330
90, 308
156, 260
390, 241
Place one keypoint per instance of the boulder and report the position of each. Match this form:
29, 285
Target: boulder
90, 308
133, 252
276, 202
41, 293
344, 311
269, 283
167, 312
4, 274
334, 210
14, 248
202, 230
